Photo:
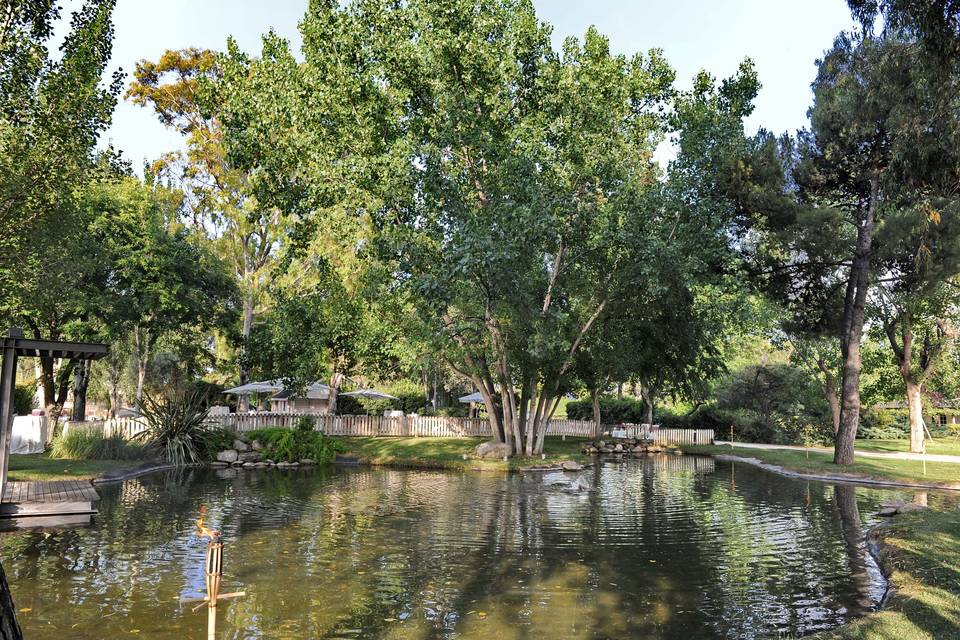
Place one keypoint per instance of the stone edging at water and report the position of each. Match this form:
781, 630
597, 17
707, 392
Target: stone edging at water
833, 477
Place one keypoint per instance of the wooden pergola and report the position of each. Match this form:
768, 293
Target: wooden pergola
16, 346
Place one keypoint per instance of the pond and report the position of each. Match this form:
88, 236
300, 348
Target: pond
660, 547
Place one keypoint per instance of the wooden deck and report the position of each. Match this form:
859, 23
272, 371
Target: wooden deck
63, 497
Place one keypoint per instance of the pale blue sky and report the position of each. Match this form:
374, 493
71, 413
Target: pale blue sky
783, 37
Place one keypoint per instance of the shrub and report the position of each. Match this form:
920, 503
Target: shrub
216, 440
24, 401
88, 444
612, 410
292, 445
883, 425
176, 428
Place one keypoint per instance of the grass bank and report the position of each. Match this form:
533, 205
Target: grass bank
921, 551
41, 467
940, 446
819, 463
447, 453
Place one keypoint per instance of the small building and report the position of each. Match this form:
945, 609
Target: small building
936, 411
313, 401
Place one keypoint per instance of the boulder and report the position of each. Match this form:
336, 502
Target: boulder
270, 463
887, 512
249, 465
256, 445
911, 506
618, 447
606, 449
492, 450
228, 455
571, 465
307, 462
249, 456
639, 449
240, 445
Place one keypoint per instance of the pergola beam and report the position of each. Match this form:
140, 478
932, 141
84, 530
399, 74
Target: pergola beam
15, 346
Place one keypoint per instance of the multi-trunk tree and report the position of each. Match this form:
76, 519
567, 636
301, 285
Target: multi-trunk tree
512, 189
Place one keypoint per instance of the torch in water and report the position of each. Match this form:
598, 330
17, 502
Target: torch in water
213, 570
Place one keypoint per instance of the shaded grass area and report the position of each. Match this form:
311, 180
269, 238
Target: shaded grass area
908, 471
940, 446
922, 552
447, 453
41, 467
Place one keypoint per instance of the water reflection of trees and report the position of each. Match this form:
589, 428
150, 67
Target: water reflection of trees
662, 548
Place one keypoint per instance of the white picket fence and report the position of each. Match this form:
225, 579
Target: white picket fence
418, 426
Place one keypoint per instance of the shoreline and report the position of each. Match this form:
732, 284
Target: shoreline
845, 478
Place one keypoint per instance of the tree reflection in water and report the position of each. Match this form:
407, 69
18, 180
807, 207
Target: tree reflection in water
660, 547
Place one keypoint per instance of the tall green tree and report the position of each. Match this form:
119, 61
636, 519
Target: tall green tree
877, 149
219, 201
52, 111
512, 188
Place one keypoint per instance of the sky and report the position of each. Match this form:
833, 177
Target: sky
783, 37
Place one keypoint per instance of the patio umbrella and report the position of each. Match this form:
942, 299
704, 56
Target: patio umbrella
252, 388
370, 394
473, 397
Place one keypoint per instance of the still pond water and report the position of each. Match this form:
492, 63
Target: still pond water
661, 547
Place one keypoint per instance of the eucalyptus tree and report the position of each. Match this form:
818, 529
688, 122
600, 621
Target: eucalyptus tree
218, 202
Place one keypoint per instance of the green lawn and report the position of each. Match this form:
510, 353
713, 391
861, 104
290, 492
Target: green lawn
923, 551
40, 466
818, 462
943, 446
447, 453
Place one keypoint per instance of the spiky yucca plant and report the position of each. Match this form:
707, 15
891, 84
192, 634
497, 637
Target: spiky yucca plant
176, 427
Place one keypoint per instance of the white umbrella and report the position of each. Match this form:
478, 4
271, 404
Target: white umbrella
251, 388
370, 394
473, 397
316, 390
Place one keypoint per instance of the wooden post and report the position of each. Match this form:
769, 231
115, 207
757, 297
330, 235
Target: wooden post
8, 379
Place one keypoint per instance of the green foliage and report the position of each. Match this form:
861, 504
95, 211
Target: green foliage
780, 404
90, 444
214, 441
612, 410
23, 399
293, 445
176, 428
514, 200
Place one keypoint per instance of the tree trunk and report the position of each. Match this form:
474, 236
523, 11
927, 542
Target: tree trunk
142, 348
81, 380
854, 317
595, 399
9, 628
648, 401
113, 385
60, 397
246, 328
915, 406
